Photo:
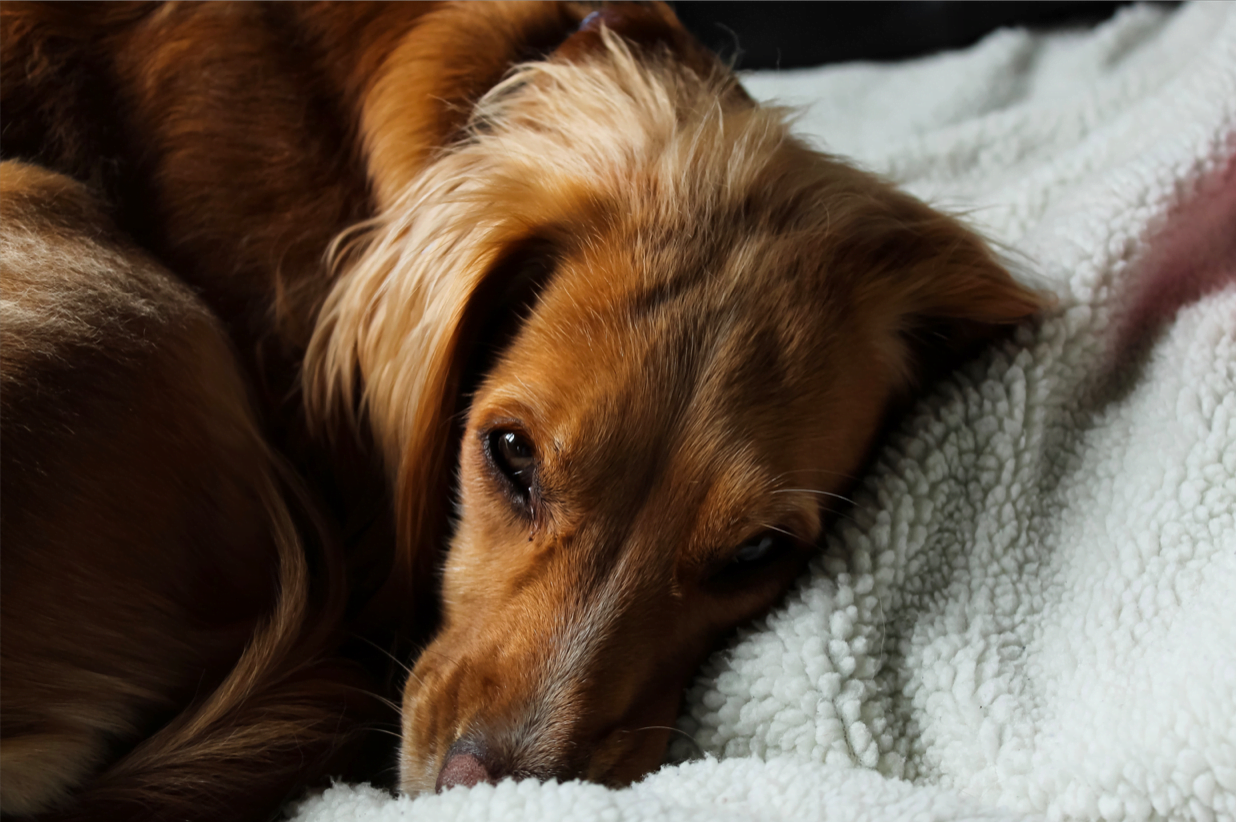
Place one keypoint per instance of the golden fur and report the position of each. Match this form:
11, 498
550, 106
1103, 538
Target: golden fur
609, 269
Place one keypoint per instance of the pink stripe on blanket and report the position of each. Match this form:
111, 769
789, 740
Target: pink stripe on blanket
1192, 255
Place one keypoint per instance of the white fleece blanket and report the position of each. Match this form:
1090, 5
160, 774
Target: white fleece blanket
1030, 610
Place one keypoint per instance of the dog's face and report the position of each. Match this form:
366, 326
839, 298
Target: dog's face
647, 464
717, 321
644, 468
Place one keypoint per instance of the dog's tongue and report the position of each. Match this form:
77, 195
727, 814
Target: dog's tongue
462, 769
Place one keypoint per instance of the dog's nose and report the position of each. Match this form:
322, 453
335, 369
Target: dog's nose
465, 765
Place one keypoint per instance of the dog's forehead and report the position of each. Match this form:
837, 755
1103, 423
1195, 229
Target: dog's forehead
641, 349
676, 314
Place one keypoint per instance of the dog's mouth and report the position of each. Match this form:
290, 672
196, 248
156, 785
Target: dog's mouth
614, 759
523, 709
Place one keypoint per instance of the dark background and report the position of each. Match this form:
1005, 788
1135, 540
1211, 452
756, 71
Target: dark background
778, 34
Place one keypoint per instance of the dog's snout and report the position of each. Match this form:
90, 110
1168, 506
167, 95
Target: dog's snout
466, 764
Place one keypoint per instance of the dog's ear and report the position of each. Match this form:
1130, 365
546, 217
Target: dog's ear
452, 56
931, 286
478, 329
404, 338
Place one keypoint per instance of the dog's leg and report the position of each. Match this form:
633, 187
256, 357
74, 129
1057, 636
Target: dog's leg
144, 537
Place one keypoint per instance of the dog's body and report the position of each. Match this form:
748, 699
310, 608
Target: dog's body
650, 333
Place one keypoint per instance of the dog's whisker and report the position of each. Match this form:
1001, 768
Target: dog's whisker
374, 696
813, 491
390, 703
781, 531
390, 726
402, 665
832, 513
385, 732
699, 749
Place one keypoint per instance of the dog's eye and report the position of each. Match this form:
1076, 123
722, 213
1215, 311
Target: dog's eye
760, 549
513, 455
753, 556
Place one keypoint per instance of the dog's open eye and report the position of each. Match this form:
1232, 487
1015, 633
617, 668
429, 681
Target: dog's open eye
514, 458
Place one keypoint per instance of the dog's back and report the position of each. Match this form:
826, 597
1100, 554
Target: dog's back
150, 561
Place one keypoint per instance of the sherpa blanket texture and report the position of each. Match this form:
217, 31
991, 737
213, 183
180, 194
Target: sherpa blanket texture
1030, 610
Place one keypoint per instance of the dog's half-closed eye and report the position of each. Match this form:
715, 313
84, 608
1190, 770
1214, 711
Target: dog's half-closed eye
752, 559
759, 549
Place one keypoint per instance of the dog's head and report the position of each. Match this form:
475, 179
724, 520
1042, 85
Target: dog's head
677, 330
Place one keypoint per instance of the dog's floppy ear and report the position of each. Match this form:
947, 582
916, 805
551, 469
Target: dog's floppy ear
414, 320
932, 287
454, 54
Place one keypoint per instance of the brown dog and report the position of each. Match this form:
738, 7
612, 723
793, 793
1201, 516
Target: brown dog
650, 333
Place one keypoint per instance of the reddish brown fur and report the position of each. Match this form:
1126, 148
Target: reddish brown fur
143, 533
710, 336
